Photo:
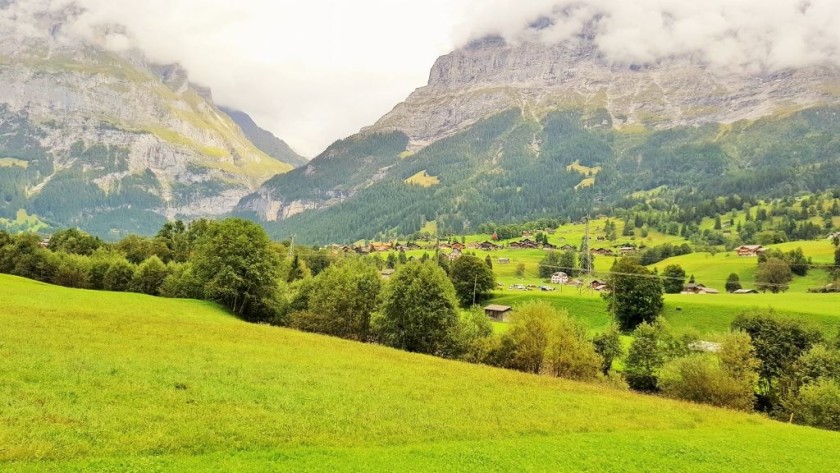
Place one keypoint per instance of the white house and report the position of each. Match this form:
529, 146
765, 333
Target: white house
559, 278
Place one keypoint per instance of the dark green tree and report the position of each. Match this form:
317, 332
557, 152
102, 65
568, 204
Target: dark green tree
472, 279
778, 343
733, 283
419, 310
673, 279
550, 264
568, 263
635, 294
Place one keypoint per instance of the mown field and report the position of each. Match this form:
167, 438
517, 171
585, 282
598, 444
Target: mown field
95, 381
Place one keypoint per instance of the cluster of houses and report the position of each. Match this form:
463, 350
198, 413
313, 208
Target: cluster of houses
564, 279
702, 289
750, 250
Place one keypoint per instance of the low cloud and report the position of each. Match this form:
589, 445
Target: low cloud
737, 35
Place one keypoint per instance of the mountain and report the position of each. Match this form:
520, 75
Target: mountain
110, 141
507, 132
264, 139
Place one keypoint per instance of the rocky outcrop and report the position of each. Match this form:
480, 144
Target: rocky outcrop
138, 118
489, 76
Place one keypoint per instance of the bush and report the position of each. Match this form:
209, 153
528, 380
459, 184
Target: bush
652, 347
180, 282
470, 337
700, 378
543, 340
819, 405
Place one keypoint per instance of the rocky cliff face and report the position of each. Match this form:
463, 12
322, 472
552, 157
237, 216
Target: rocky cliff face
489, 76
115, 125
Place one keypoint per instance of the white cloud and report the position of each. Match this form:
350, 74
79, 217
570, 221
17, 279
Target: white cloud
318, 70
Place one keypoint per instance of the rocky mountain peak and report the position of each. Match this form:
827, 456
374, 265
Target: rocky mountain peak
491, 75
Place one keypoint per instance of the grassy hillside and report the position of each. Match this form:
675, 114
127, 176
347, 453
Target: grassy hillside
123, 382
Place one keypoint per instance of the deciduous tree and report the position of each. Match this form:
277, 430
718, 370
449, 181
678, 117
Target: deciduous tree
419, 309
635, 294
472, 278
235, 263
673, 279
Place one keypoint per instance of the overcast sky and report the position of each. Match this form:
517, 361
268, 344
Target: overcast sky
313, 71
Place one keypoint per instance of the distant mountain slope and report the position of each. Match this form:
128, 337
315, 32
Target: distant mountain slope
111, 142
264, 139
511, 132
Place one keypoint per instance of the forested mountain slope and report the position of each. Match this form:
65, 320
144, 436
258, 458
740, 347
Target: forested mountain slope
511, 132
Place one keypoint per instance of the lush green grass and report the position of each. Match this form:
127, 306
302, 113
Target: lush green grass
123, 382
708, 316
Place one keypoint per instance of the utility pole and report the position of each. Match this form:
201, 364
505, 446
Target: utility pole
475, 288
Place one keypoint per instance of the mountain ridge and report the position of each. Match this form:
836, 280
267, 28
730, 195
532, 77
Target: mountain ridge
263, 139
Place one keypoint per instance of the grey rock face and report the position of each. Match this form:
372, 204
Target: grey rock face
490, 76
79, 95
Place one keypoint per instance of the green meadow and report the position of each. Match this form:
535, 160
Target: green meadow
97, 381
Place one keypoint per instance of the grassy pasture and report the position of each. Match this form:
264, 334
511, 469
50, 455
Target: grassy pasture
423, 179
96, 381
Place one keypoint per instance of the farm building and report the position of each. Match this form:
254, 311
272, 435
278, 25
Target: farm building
504, 260
745, 291
699, 289
599, 285
750, 250
499, 313
524, 244
559, 278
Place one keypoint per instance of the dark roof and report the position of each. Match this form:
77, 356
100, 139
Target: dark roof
497, 308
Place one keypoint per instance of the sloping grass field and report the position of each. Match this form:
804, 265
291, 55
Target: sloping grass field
96, 381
